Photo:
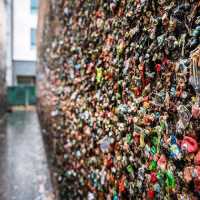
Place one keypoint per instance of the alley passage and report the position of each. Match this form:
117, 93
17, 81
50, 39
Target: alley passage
24, 173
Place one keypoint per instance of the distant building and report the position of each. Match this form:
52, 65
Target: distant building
9, 68
21, 41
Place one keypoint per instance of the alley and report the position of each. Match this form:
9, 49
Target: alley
23, 163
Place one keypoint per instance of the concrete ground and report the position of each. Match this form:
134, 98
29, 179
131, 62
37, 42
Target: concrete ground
24, 171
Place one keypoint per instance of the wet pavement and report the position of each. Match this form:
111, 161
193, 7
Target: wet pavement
24, 171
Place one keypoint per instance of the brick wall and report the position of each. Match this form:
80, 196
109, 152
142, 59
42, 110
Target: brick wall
115, 92
44, 94
2, 56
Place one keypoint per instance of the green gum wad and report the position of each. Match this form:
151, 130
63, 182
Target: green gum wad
99, 75
170, 181
130, 168
155, 140
153, 165
153, 150
159, 175
129, 138
162, 125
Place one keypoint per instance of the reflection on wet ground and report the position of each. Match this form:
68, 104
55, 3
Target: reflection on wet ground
24, 173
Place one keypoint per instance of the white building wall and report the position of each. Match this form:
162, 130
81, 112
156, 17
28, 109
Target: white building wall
8, 29
23, 21
2, 35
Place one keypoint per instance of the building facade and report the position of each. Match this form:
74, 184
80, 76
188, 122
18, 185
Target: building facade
9, 69
22, 17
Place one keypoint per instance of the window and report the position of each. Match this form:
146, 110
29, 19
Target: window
34, 5
33, 37
26, 80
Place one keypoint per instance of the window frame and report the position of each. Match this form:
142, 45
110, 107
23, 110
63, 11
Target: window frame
34, 6
33, 39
